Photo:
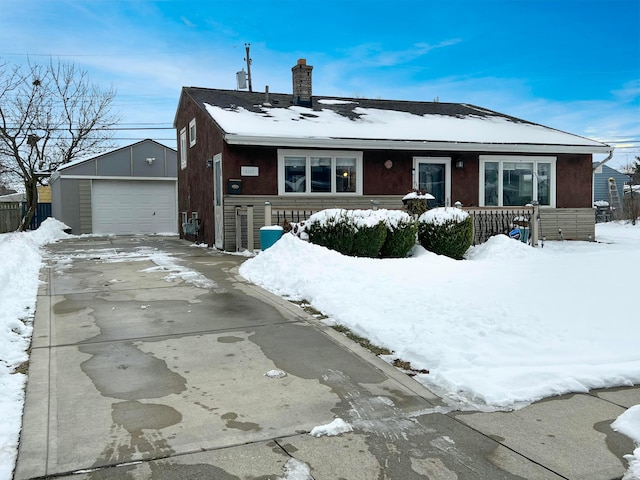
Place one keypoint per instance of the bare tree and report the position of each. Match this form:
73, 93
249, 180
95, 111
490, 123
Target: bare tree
50, 114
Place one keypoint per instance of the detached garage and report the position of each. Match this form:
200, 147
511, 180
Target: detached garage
132, 190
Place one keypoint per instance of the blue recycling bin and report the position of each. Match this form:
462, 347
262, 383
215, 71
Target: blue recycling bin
269, 236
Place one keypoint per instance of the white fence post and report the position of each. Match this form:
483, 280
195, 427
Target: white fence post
267, 214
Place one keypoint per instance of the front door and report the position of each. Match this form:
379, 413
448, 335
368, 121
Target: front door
218, 206
433, 175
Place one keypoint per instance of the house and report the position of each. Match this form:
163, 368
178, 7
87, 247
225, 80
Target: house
130, 190
602, 186
245, 155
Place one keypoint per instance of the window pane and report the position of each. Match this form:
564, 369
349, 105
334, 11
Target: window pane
321, 174
295, 174
491, 183
544, 183
517, 183
345, 174
431, 179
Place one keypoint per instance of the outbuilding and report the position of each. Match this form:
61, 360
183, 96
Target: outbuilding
131, 190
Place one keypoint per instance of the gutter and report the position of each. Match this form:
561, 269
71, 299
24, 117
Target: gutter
361, 144
605, 160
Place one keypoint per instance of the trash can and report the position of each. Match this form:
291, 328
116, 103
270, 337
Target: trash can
269, 236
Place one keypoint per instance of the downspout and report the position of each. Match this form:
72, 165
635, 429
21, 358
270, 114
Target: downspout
593, 183
605, 160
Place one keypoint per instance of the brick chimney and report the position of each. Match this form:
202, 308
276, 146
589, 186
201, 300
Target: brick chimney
302, 83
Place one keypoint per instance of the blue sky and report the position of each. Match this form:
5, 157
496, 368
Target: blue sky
568, 64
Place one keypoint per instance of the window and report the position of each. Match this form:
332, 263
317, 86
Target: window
183, 148
319, 172
192, 132
514, 181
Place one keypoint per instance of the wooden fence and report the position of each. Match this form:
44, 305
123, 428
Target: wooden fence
10, 216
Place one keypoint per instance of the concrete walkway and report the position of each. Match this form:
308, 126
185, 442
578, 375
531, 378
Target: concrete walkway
143, 372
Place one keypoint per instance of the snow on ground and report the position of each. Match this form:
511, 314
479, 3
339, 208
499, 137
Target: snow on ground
336, 427
629, 424
507, 326
19, 273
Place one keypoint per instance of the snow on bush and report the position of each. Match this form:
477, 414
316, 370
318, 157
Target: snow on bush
446, 231
442, 215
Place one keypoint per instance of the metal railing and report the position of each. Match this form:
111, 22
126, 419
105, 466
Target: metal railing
495, 221
487, 222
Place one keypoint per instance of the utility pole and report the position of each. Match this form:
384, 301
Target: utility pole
247, 46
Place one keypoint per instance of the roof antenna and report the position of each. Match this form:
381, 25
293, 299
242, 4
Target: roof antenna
247, 46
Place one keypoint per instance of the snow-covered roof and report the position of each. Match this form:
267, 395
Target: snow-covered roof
254, 118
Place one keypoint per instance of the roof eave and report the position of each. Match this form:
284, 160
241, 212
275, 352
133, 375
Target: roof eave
357, 143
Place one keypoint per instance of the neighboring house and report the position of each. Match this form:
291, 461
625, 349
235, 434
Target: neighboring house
131, 190
601, 176
238, 150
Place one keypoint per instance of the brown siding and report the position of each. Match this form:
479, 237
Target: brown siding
574, 178
378, 180
465, 180
265, 158
195, 183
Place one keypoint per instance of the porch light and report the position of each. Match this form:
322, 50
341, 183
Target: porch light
459, 164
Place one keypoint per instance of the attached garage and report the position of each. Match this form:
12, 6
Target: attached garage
132, 190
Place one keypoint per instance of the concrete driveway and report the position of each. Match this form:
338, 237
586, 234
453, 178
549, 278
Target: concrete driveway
153, 359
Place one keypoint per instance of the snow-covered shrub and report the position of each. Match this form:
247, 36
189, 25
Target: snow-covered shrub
331, 228
401, 234
363, 233
370, 232
446, 231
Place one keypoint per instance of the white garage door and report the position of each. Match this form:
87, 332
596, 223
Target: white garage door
134, 207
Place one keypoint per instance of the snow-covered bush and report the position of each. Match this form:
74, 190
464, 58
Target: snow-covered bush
446, 231
363, 233
401, 234
331, 228
370, 233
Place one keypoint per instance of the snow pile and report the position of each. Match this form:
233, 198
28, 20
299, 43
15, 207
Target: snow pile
629, 424
21, 262
509, 325
332, 429
501, 248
